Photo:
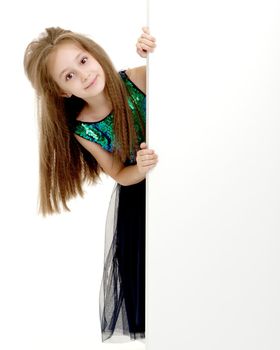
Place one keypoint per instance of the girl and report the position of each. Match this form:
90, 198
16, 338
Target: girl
92, 120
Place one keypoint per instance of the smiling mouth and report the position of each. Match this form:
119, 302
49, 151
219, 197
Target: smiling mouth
93, 81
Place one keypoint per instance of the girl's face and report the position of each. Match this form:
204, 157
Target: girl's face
75, 71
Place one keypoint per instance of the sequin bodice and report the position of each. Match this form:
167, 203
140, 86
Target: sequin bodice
102, 132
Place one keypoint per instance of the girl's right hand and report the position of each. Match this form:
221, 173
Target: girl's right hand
146, 43
146, 159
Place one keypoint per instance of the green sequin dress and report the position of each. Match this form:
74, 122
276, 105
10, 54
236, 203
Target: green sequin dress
122, 292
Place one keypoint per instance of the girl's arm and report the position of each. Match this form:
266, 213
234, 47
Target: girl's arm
146, 159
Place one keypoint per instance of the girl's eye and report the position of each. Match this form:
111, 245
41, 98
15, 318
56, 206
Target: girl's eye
69, 76
83, 60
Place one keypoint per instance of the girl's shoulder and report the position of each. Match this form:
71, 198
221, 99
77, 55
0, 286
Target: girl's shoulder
138, 76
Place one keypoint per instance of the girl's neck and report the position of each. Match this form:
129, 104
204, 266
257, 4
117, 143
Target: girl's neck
95, 109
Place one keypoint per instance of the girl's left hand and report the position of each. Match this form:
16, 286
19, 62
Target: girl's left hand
146, 43
146, 159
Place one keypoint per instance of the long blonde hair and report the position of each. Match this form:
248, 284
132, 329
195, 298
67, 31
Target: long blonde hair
64, 163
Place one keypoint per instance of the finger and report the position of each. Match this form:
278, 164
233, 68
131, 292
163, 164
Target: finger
148, 157
148, 164
140, 51
145, 152
148, 37
143, 145
147, 42
146, 47
139, 46
146, 29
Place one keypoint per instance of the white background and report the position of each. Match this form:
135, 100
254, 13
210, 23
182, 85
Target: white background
213, 244
51, 269
214, 225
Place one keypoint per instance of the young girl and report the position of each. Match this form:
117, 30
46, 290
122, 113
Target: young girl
92, 120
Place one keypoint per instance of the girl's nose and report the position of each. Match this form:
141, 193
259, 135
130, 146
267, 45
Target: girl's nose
84, 76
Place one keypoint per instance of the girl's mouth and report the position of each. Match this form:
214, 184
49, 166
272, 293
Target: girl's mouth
92, 83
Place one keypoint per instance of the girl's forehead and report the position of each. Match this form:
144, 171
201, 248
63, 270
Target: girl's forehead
67, 46
62, 56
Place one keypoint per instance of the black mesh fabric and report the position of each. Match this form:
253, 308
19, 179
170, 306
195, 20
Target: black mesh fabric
122, 292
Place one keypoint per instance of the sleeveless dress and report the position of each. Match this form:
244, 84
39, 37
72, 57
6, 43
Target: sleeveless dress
122, 291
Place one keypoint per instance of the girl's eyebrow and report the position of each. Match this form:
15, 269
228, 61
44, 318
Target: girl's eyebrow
75, 59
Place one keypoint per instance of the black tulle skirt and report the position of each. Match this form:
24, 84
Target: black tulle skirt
122, 292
